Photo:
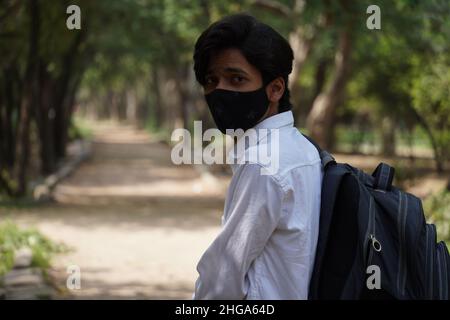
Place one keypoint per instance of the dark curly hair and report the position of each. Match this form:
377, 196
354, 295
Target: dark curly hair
260, 44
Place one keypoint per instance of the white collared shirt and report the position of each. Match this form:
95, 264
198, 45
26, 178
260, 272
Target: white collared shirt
270, 224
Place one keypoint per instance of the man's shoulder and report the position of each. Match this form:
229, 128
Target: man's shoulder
280, 157
293, 150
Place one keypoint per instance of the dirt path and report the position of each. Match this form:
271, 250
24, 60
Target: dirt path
136, 223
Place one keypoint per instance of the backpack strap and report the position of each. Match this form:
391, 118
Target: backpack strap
330, 186
325, 156
383, 176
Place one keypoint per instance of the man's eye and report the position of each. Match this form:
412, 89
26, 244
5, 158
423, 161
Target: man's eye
237, 79
209, 80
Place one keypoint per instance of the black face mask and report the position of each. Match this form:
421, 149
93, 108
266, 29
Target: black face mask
235, 109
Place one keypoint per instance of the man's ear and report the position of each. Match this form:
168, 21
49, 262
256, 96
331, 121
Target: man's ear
275, 89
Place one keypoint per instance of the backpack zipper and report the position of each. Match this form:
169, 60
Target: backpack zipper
370, 235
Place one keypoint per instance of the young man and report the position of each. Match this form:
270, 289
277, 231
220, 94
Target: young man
267, 244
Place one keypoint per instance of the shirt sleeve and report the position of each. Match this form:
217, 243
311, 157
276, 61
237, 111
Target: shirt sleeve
252, 214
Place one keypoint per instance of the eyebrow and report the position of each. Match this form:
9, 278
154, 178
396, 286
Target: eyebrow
231, 70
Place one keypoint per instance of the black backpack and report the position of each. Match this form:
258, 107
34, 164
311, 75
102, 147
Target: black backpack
366, 222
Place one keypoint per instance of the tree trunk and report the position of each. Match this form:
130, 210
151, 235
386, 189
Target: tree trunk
388, 137
142, 111
121, 105
10, 103
319, 78
321, 119
44, 116
158, 102
106, 106
68, 107
63, 99
439, 162
30, 100
131, 105
301, 45
181, 78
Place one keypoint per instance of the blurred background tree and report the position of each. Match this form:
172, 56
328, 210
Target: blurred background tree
373, 90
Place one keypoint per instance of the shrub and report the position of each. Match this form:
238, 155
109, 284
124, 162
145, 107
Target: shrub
437, 209
13, 238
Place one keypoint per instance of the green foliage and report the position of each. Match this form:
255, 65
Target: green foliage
430, 90
159, 133
13, 238
79, 129
353, 138
437, 209
402, 71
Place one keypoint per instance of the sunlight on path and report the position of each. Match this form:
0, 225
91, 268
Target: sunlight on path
136, 223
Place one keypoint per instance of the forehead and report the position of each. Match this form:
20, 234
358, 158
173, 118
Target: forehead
231, 60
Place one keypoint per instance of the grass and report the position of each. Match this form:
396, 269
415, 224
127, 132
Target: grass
12, 238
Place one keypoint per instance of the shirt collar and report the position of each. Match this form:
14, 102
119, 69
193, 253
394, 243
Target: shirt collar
277, 121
